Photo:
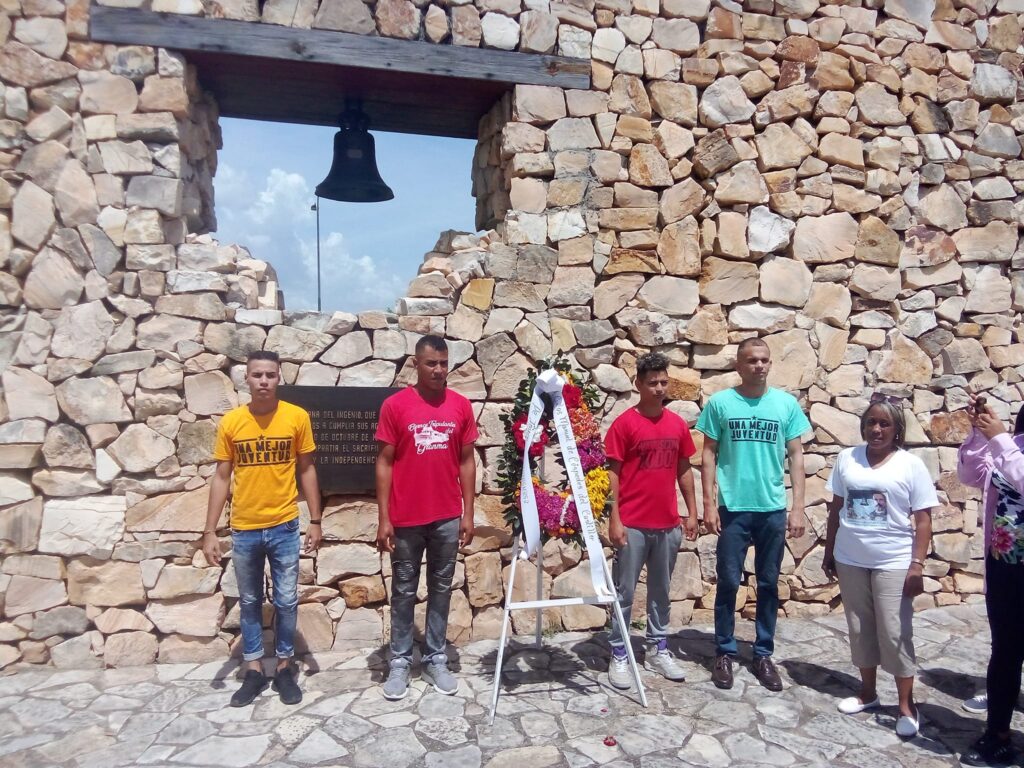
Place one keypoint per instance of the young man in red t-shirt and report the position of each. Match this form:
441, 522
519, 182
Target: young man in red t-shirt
649, 449
426, 479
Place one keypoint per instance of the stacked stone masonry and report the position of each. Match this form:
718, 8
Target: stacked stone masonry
841, 178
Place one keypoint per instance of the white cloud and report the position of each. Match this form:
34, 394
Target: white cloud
283, 194
343, 276
277, 225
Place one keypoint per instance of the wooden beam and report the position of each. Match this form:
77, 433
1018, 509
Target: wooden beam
129, 26
314, 94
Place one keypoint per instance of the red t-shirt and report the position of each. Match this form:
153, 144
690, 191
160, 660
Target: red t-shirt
428, 440
649, 450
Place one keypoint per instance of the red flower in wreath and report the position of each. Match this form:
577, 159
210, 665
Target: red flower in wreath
519, 434
573, 396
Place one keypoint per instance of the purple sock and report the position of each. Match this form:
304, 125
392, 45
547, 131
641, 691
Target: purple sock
619, 652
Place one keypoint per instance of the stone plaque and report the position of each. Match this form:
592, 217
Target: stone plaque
344, 421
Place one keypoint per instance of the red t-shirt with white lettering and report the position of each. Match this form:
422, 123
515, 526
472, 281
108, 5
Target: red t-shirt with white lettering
428, 440
649, 450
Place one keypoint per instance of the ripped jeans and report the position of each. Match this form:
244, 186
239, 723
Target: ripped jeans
440, 540
279, 545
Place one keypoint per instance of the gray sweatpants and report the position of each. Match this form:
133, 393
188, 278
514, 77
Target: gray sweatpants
658, 550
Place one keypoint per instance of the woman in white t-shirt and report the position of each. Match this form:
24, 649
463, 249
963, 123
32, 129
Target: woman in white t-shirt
879, 529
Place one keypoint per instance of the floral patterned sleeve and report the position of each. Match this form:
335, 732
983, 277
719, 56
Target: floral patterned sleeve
1008, 459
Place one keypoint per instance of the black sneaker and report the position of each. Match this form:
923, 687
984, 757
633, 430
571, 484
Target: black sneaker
989, 750
284, 683
253, 684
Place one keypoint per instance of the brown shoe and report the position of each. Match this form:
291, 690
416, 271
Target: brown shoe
765, 671
721, 673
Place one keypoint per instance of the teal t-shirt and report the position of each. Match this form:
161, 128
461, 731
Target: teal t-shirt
752, 436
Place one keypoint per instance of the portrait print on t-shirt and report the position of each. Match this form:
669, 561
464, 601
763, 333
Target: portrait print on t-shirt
866, 508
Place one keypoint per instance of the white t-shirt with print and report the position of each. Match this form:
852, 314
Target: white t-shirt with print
875, 521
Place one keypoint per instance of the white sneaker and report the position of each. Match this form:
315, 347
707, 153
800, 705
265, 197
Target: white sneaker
976, 705
664, 664
853, 705
619, 674
908, 726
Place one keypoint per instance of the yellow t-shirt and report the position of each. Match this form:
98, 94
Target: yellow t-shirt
262, 450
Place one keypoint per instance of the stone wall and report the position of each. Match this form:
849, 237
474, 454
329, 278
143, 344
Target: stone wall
840, 178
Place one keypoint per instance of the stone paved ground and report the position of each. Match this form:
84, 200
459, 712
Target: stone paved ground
556, 710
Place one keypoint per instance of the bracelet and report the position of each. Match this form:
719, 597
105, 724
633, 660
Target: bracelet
315, 522
213, 532
917, 561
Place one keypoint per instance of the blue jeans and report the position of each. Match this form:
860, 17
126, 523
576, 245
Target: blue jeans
278, 545
440, 540
767, 532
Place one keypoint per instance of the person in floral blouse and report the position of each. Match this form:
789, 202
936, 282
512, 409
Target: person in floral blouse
991, 459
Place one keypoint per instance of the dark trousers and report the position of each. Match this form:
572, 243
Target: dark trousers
1004, 599
440, 540
767, 532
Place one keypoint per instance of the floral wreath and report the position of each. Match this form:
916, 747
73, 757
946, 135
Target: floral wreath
556, 509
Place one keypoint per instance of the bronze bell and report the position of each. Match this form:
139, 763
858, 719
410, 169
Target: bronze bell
354, 177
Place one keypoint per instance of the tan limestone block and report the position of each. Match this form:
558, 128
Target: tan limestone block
130, 649
466, 28
794, 361
727, 282
105, 583
28, 594
164, 94
679, 248
114, 620
178, 649
905, 363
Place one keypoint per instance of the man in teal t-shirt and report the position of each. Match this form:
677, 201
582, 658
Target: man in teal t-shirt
748, 432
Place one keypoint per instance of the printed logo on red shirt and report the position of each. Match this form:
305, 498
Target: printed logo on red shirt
432, 436
658, 453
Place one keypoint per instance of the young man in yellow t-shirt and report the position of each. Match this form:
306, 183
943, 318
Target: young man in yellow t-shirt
264, 443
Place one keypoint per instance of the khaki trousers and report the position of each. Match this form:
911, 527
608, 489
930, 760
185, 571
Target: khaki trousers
879, 619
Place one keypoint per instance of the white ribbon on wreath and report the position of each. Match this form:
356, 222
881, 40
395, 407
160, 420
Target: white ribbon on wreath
550, 383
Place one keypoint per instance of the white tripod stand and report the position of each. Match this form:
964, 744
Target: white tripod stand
541, 603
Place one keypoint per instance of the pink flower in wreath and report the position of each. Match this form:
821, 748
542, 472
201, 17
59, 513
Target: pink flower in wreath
1003, 541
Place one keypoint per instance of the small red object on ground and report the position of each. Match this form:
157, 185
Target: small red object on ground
609, 741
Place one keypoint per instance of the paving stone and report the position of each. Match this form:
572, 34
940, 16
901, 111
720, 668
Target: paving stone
169, 715
463, 757
318, 747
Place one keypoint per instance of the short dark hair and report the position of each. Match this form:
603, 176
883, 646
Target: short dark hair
431, 341
1018, 425
651, 362
895, 414
753, 341
263, 354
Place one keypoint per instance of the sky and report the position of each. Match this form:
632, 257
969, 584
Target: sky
266, 174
